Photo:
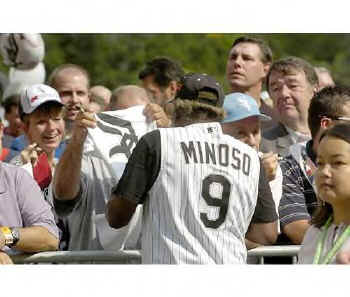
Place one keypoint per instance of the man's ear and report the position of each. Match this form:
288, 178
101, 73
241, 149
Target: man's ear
173, 87
316, 89
325, 123
25, 126
266, 69
178, 86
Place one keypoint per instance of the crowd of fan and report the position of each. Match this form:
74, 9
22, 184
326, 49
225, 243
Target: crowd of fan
279, 108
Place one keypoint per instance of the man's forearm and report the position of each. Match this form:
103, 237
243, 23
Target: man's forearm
296, 230
250, 244
262, 233
67, 173
36, 239
119, 211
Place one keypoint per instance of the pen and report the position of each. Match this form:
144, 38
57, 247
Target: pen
279, 158
81, 108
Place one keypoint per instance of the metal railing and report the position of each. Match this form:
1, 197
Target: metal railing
80, 257
134, 257
275, 251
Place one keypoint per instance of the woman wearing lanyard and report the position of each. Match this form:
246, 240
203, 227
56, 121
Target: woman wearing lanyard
329, 234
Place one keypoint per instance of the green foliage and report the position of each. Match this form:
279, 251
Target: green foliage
116, 59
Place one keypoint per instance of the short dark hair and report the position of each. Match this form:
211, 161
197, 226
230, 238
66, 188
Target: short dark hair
60, 68
323, 212
288, 65
11, 101
266, 52
329, 102
164, 70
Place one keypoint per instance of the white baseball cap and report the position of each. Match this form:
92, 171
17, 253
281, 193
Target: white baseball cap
35, 95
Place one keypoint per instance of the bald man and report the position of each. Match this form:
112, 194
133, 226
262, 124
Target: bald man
72, 82
100, 95
131, 95
127, 96
324, 78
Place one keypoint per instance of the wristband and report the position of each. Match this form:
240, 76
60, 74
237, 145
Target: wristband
8, 236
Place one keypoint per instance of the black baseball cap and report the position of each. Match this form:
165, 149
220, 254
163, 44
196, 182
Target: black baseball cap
201, 87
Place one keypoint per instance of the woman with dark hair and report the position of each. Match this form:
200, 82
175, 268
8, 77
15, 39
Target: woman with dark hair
329, 234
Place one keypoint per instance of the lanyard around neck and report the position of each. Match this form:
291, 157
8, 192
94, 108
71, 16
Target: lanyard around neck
337, 245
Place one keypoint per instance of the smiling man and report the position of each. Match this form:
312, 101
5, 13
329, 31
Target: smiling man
291, 83
41, 111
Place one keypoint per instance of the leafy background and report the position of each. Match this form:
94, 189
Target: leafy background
116, 59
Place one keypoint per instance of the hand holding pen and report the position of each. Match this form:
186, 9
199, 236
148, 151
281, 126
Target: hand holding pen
270, 162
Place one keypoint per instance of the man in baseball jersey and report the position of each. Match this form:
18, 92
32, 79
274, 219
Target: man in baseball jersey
198, 186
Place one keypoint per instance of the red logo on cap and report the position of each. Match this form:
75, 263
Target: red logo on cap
33, 99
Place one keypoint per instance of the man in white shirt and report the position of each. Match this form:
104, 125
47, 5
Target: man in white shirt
83, 179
